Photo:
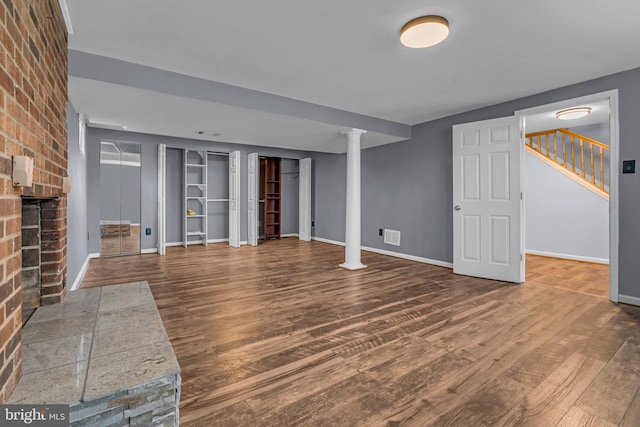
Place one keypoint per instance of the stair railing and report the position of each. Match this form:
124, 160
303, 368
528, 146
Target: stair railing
549, 142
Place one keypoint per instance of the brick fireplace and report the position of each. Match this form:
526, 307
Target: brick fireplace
43, 253
33, 98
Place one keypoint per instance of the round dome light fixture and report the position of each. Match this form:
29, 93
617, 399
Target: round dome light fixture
424, 31
573, 113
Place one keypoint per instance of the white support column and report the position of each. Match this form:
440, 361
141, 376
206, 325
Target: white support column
352, 232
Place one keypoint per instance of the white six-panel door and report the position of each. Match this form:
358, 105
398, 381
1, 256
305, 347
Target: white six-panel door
253, 170
487, 205
304, 222
234, 199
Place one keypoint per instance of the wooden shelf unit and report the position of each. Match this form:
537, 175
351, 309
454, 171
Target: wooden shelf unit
270, 189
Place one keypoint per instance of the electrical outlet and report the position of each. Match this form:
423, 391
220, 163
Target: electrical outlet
313, 223
379, 231
148, 232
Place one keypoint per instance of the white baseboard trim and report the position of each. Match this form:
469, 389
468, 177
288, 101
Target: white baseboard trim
149, 251
409, 257
331, 242
571, 257
80, 276
243, 243
390, 253
92, 256
628, 300
290, 235
208, 241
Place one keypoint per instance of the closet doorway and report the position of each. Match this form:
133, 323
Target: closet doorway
279, 198
120, 189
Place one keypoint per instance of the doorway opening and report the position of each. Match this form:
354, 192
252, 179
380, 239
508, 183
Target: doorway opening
489, 214
570, 172
279, 198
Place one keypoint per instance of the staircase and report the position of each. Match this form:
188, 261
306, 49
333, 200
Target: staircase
577, 156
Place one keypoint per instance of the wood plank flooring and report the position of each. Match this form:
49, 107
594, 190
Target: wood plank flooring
279, 335
586, 277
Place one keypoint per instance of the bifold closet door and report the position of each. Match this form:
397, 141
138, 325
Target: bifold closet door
162, 198
120, 166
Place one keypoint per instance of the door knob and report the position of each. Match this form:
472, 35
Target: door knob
457, 207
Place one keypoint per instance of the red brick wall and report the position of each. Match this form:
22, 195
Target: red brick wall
33, 96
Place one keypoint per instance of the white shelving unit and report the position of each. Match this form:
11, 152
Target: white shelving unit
195, 197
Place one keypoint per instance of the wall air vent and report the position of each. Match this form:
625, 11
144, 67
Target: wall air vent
392, 237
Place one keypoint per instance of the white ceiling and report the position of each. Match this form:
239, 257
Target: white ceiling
347, 54
150, 112
548, 120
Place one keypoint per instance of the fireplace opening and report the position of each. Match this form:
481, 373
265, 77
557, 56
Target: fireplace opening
43, 254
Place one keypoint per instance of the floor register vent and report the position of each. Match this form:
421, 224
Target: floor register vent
392, 237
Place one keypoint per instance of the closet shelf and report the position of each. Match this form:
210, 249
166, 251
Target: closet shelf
194, 164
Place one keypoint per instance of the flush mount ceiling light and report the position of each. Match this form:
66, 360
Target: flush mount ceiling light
573, 113
424, 31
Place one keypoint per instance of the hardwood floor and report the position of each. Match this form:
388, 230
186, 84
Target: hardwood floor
279, 335
589, 278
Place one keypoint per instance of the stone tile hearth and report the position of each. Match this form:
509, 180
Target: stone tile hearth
103, 351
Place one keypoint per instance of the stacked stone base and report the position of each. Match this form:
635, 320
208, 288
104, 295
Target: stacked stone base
151, 404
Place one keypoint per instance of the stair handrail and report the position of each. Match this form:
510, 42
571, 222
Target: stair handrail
572, 136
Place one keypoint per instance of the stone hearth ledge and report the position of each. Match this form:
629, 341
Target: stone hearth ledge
105, 353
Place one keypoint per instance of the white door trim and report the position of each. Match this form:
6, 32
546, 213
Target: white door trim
234, 199
253, 194
162, 197
614, 170
304, 199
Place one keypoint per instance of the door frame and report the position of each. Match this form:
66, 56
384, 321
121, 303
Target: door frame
301, 236
614, 171
113, 142
253, 190
162, 197
235, 191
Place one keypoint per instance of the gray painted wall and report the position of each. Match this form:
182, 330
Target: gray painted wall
149, 176
328, 188
424, 164
562, 217
289, 195
77, 251
174, 196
